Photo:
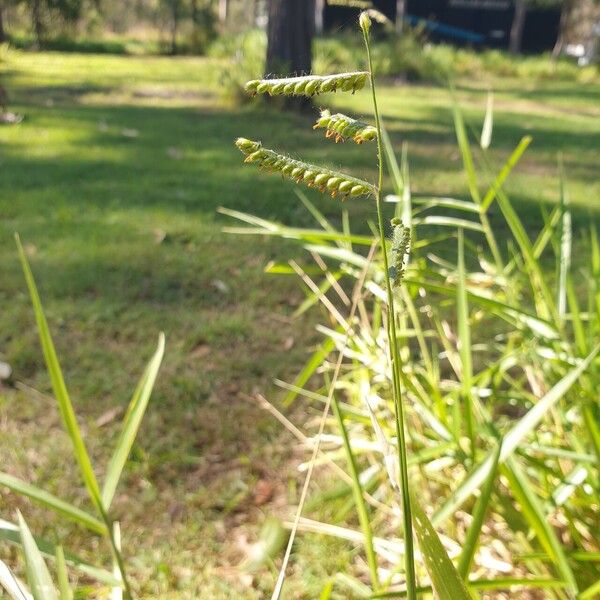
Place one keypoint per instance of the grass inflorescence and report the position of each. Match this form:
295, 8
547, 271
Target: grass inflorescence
325, 180
400, 250
342, 127
308, 85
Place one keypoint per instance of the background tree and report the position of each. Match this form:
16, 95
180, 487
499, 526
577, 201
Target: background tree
2, 31
290, 34
516, 29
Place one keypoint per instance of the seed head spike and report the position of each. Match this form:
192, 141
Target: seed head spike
308, 85
325, 180
400, 251
343, 127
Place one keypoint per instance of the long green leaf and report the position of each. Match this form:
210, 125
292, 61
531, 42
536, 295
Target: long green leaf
537, 325
131, 424
500, 583
361, 508
448, 222
445, 579
464, 338
534, 514
38, 576
50, 501
444, 202
542, 295
479, 512
315, 361
509, 165
66, 593
590, 593
10, 533
59, 387
392, 163
465, 150
513, 439
565, 244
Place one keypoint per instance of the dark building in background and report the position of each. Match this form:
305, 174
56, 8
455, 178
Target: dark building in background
478, 23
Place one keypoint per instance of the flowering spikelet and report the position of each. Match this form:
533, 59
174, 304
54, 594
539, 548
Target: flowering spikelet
308, 85
400, 250
323, 179
344, 127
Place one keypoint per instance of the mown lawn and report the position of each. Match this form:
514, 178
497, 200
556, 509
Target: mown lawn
112, 181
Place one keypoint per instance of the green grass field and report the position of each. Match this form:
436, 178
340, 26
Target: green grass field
112, 181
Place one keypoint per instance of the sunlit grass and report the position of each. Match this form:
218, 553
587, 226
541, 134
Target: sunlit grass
113, 180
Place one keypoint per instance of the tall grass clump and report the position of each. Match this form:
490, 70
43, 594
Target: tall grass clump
414, 520
463, 383
99, 521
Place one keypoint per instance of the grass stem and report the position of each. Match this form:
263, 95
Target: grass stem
409, 564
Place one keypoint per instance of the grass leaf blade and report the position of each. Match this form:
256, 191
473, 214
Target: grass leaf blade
131, 423
38, 576
479, 512
513, 438
52, 502
445, 579
63, 575
59, 386
534, 514
488, 122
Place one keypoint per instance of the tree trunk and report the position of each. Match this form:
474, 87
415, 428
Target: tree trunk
563, 25
289, 48
36, 17
195, 14
223, 10
319, 16
174, 25
400, 10
2, 31
516, 30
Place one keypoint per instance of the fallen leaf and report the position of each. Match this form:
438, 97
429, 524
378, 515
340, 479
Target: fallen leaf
263, 492
110, 415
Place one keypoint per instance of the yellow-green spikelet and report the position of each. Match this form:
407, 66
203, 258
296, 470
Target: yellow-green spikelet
308, 85
343, 127
325, 180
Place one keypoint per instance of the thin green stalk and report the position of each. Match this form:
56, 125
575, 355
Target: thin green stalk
361, 508
128, 595
394, 354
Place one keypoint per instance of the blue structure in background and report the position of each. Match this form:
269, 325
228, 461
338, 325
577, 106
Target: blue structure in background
479, 23
449, 31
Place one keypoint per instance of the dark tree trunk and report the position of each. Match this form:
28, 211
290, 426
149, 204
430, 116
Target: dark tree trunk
2, 31
516, 30
36, 17
400, 10
289, 48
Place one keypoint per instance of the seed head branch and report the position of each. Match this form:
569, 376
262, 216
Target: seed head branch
325, 180
308, 85
343, 127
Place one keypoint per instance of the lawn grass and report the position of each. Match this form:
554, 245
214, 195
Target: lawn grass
113, 180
